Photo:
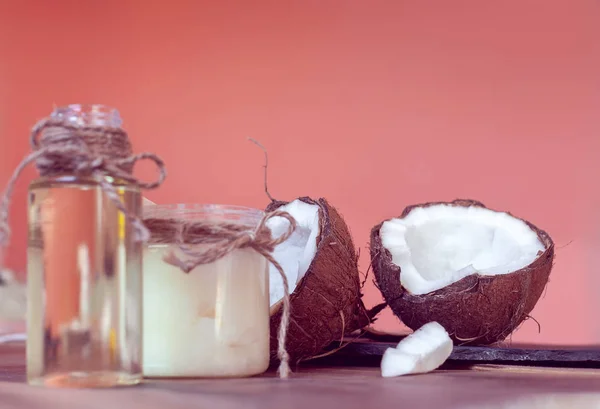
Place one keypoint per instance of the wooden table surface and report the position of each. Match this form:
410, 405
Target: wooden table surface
320, 387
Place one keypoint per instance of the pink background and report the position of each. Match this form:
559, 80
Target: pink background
374, 105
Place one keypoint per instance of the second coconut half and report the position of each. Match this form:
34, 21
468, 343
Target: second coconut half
476, 271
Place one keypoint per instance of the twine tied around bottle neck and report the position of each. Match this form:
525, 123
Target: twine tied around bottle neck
204, 243
60, 147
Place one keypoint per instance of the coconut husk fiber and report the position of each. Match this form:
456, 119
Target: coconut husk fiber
476, 310
326, 304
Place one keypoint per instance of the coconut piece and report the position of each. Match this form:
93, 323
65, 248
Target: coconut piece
13, 299
321, 265
476, 271
147, 202
422, 351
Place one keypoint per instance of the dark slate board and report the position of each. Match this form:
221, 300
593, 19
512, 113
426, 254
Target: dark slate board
369, 352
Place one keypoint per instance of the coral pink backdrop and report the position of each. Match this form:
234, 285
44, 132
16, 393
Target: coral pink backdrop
374, 105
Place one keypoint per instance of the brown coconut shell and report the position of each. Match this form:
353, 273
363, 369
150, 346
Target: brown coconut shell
327, 303
477, 310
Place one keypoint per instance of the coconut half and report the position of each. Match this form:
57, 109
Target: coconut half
476, 271
321, 265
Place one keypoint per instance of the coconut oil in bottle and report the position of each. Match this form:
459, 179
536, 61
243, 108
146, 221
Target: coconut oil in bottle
84, 315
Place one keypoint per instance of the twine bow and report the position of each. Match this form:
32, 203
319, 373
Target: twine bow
60, 147
222, 239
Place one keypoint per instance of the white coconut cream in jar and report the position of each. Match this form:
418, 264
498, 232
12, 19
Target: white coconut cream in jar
212, 321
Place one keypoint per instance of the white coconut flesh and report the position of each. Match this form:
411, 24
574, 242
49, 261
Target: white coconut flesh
296, 253
147, 202
422, 351
438, 245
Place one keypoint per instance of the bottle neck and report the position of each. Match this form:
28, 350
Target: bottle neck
82, 140
95, 115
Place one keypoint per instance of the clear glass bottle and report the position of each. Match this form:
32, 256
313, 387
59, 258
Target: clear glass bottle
214, 320
84, 273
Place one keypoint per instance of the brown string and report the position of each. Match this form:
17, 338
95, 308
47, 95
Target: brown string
219, 240
62, 148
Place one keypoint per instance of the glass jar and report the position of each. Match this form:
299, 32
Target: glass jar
214, 320
84, 316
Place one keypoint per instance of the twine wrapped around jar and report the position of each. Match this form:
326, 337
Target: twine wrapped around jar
204, 243
60, 147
